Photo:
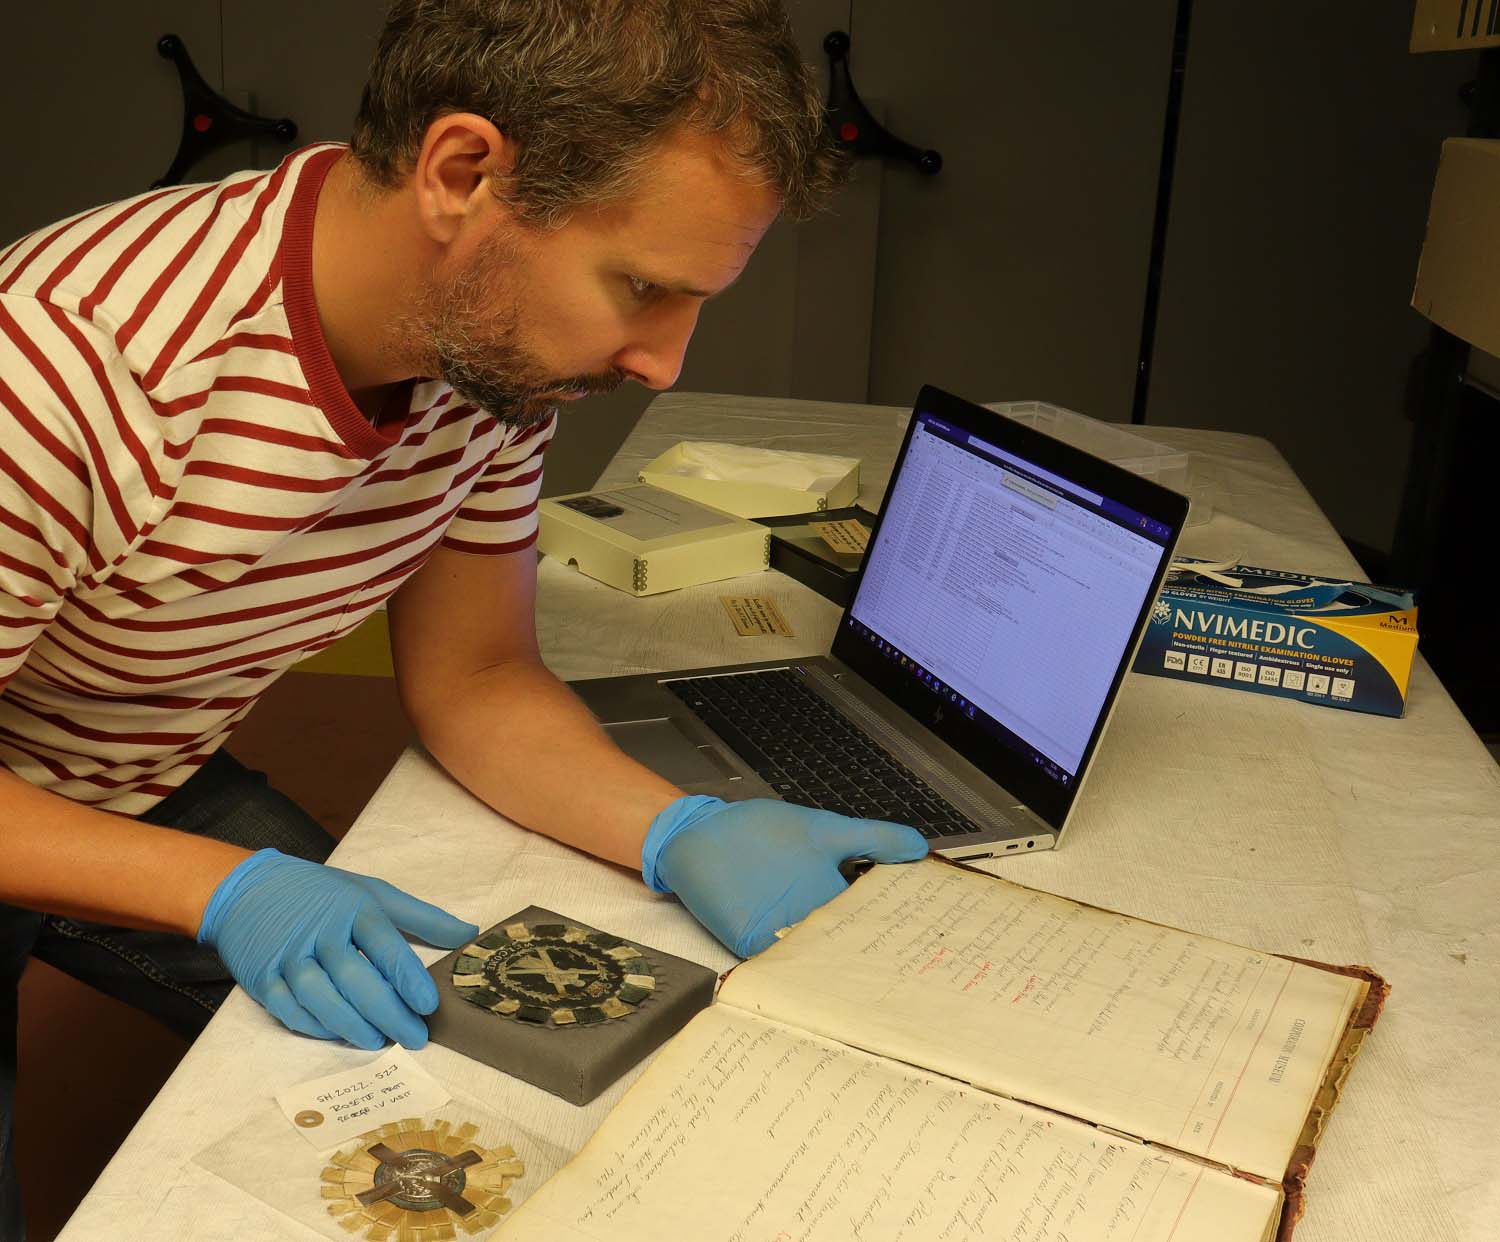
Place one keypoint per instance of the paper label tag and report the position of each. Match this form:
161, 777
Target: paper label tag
755, 614
849, 535
331, 1110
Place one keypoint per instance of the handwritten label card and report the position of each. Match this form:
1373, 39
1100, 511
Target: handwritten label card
849, 535
756, 614
331, 1110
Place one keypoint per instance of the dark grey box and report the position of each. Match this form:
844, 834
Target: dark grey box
546, 976
801, 553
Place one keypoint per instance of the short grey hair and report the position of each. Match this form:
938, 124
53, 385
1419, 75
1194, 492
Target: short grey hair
585, 88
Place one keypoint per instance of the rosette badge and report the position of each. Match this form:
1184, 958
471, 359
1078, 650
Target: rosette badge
553, 975
420, 1183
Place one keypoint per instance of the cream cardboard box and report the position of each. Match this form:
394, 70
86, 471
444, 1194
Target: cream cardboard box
754, 482
645, 540
1453, 26
1458, 278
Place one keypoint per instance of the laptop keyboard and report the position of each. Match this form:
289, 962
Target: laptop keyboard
811, 754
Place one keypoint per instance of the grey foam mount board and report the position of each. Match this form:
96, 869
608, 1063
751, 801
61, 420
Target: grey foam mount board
562, 1005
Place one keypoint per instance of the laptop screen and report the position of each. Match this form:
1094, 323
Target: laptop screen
1007, 589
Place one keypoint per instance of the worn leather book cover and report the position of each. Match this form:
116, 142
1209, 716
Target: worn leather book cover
1361, 1022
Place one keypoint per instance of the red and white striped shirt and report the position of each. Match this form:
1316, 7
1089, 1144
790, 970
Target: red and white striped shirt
190, 502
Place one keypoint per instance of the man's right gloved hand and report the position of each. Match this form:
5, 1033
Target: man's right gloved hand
322, 948
746, 869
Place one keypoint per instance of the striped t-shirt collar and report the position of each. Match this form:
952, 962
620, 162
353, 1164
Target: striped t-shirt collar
323, 380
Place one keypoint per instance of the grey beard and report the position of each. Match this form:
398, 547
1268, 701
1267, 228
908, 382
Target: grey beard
492, 371
480, 356
490, 386
504, 400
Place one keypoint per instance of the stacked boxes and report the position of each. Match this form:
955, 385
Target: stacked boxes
1321, 640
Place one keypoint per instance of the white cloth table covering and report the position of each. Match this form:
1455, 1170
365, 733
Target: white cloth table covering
1310, 831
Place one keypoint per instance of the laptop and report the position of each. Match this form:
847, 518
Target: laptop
1007, 582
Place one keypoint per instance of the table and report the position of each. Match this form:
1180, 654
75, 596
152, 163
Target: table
1303, 830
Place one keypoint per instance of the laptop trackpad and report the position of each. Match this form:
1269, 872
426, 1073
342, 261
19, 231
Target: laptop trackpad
664, 748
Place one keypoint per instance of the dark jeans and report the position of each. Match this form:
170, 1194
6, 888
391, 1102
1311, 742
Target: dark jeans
172, 977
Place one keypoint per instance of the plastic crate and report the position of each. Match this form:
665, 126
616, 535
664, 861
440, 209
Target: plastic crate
1168, 466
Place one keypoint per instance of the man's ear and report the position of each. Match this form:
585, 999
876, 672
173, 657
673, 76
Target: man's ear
461, 155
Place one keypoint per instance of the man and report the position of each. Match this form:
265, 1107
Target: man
219, 450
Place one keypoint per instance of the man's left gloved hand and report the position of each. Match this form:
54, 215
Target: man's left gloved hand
747, 869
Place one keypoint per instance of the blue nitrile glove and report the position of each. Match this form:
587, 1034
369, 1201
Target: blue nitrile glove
748, 869
320, 948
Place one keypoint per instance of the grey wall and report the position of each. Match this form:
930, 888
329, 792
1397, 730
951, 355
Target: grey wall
1018, 271
92, 113
1307, 154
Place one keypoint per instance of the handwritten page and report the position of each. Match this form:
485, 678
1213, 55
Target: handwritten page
745, 1130
1210, 1048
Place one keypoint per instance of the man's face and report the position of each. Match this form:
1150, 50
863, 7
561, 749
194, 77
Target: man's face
523, 318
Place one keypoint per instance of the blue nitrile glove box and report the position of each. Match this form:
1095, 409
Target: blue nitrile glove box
1321, 640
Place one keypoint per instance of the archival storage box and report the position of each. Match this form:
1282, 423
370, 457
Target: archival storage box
1458, 276
644, 540
1321, 640
1453, 26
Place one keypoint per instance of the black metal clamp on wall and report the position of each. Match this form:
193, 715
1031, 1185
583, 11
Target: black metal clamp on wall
209, 121
853, 126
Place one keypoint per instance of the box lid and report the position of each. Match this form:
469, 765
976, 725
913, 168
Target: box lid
641, 518
755, 493
1458, 277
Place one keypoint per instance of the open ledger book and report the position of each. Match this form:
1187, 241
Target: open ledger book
938, 1054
